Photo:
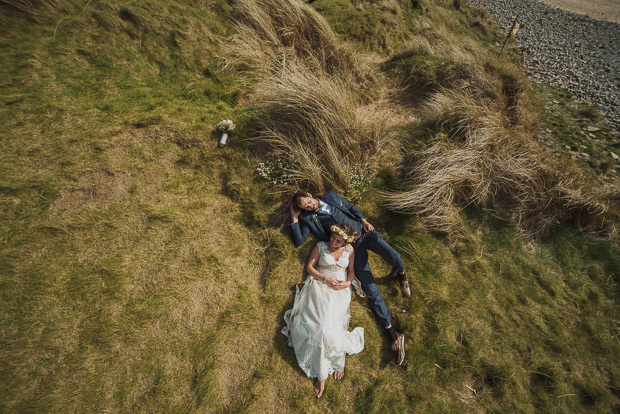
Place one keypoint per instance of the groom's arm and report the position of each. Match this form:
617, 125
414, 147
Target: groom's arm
354, 211
348, 206
299, 233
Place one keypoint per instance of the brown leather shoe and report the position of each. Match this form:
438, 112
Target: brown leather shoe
398, 346
404, 285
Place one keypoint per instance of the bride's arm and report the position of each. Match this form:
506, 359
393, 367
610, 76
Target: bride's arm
313, 258
350, 270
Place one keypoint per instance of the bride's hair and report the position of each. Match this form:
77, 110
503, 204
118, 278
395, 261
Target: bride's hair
346, 229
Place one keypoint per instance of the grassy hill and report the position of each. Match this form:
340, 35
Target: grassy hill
143, 269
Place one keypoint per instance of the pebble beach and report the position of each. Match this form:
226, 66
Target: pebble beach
573, 51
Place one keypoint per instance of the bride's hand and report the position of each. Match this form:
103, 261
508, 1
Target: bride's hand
333, 283
343, 285
337, 284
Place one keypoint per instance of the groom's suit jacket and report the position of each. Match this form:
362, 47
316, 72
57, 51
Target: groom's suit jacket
319, 223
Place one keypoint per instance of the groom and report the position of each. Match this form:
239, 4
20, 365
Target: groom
317, 215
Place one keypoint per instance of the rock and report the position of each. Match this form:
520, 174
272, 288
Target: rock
614, 156
585, 155
594, 162
547, 131
593, 129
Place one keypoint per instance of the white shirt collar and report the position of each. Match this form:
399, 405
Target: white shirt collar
324, 207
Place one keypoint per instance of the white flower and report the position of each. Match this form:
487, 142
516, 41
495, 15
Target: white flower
226, 125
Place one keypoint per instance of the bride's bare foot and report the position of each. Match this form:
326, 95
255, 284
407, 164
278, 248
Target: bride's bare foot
319, 386
339, 374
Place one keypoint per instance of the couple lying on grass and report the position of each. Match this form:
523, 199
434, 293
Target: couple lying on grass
317, 326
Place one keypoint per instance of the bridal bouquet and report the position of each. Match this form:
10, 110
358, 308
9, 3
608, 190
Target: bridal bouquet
226, 126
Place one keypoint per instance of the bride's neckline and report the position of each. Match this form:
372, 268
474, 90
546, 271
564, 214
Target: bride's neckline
329, 251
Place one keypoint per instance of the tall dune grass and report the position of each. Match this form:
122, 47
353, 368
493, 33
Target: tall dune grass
440, 59
310, 85
496, 164
485, 106
315, 118
272, 33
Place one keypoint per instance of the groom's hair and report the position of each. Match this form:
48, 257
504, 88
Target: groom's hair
297, 197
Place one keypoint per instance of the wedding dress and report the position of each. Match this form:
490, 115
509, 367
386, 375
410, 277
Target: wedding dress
317, 326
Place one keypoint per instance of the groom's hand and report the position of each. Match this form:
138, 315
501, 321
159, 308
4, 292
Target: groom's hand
295, 212
367, 226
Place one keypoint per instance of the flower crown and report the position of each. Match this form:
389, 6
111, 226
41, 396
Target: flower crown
338, 230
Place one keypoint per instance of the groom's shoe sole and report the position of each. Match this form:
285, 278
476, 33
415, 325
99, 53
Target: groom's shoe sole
399, 347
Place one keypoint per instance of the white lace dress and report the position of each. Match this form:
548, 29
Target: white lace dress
318, 325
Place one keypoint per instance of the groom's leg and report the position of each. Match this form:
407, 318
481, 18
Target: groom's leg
363, 273
375, 243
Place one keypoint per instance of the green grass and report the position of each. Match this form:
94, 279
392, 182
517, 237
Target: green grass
565, 125
144, 270
380, 27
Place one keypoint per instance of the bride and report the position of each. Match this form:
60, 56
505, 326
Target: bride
317, 326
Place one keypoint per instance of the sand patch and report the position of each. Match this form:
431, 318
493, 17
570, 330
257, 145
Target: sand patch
608, 10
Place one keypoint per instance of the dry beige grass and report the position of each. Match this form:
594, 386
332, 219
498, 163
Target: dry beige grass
440, 59
496, 164
485, 153
271, 34
316, 118
309, 85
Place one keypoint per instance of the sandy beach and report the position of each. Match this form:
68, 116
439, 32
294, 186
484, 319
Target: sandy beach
608, 10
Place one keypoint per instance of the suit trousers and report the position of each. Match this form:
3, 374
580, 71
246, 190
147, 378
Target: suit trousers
373, 241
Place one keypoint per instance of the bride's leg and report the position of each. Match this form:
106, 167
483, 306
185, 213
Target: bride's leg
319, 387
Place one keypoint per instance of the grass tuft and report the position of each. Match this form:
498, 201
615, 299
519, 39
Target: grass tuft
315, 119
482, 153
271, 34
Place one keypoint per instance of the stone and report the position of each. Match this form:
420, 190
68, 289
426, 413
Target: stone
593, 129
585, 155
562, 48
614, 156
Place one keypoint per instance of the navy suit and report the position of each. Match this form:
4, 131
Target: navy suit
343, 211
